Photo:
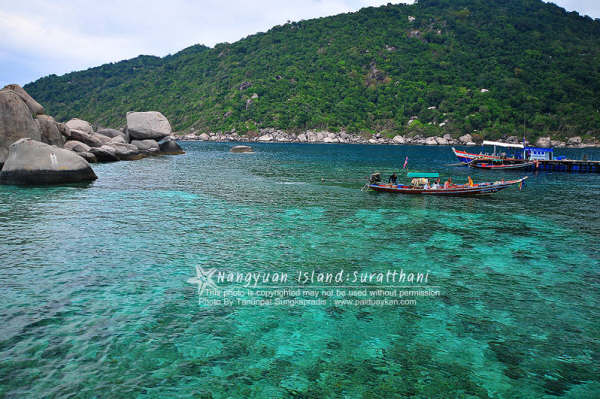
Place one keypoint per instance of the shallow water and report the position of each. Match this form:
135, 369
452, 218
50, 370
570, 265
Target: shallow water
95, 300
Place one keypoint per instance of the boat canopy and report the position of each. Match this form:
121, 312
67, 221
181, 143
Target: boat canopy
499, 144
419, 175
539, 149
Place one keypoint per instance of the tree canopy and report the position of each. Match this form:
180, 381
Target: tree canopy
456, 66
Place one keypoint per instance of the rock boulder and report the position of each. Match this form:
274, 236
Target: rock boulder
101, 138
543, 142
399, 139
16, 122
35, 107
170, 147
148, 146
127, 152
118, 139
265, 138
86, 138
467, 138
64, 130
81, 125
147, 125
105, 154
32, 162
49, 131
88, 156
112, 133
77, 146
241, 148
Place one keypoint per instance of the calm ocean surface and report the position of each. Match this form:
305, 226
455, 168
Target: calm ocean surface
95, 302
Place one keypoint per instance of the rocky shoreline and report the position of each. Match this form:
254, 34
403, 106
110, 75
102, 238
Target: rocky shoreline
271, 135
35, 149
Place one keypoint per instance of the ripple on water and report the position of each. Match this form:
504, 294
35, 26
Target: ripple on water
95, 296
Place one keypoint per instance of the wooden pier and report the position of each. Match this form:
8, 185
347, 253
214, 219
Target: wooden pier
567, 165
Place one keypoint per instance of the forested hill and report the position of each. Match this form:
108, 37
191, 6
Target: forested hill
489, 66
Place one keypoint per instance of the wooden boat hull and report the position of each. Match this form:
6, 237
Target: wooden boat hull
491, 166
466, 157
457, 190
552, 165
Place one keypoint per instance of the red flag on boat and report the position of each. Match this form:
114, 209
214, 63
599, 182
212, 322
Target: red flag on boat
405, 163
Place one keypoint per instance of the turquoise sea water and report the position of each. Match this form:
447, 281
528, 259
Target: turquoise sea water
95, 301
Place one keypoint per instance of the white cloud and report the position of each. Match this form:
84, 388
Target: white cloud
62, 35
55, 41
583, 7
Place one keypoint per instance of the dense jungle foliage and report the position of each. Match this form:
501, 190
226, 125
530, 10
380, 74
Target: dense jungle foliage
495, 67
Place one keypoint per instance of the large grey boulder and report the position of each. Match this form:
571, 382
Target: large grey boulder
543, 142
442, 140
265, 138
16, 122
241, 148
448, 138
118, 139
77, 146
101, 138
112, 133
32, 162
35, 107
149, 146
399, 139
81, 125
86, 138
467, 138
126, 152
147, 125
431, 141
88, 156
170, 147
49, 130
64, 130
105, 154
574, 141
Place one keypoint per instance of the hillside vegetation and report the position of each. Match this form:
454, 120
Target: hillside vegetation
490, 66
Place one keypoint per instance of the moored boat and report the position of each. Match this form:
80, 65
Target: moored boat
466, 157
500, 164
420, 185
531, 158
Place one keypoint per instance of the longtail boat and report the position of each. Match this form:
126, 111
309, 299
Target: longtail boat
531, 158
420, 186
466, 157
500, 164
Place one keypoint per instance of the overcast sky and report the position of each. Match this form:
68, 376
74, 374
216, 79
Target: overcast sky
39, 38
